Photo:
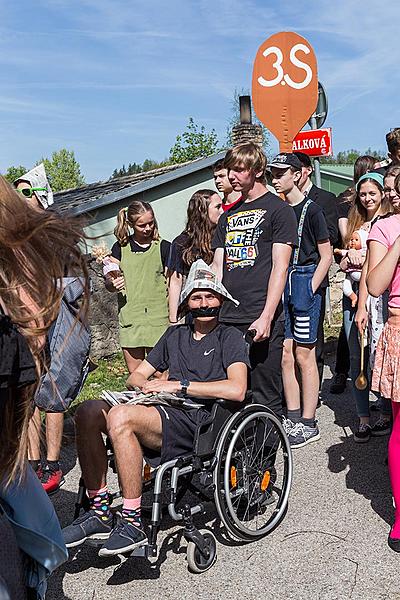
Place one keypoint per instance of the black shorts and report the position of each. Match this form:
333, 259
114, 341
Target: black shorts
178, 432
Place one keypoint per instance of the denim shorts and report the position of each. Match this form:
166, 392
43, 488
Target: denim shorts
302, 306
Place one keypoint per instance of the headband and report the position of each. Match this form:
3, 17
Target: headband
371, 175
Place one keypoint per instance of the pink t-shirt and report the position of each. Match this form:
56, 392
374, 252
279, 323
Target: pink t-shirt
386, 231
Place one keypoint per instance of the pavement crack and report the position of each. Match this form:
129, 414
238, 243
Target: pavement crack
301, 532
355, 573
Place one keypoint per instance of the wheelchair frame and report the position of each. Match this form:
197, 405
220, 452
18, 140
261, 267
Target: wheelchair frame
214, 442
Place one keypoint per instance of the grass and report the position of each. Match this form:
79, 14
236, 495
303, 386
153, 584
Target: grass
111, 374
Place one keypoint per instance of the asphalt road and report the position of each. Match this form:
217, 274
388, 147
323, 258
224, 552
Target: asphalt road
331, 544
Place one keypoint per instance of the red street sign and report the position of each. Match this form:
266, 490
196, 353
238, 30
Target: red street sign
314, 142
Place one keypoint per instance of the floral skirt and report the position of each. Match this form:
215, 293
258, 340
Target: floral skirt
386, 373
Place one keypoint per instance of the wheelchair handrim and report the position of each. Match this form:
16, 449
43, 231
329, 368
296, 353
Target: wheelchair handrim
233, 524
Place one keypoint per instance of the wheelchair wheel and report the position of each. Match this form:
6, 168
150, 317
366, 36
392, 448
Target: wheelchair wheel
253, 473
197, 562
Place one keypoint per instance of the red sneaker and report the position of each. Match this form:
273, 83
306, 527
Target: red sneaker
52, 480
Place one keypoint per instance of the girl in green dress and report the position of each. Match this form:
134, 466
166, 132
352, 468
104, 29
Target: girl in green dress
141, 283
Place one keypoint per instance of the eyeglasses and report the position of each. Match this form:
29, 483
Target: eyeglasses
28, 192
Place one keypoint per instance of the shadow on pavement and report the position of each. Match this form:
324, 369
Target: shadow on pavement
366, 462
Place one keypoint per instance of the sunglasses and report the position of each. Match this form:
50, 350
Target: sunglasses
28, 192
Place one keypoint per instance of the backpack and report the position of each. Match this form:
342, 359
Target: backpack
69, 346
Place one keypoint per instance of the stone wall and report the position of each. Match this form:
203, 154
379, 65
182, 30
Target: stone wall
103, 316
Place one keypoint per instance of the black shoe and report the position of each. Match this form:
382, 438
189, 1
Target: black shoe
381, 427
338, 384
88, 526
363, 433
125, 537
394, 544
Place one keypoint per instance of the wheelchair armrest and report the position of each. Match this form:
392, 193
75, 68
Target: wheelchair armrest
234, 406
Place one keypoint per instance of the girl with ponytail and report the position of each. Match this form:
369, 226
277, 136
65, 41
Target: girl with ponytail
141, 282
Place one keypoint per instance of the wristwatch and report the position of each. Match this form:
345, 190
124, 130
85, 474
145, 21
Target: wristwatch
184, 386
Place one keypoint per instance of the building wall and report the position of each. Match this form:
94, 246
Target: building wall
169, 202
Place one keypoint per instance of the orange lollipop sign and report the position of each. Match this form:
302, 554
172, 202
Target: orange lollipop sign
285, 85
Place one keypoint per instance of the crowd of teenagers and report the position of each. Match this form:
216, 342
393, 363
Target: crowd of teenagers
254, 256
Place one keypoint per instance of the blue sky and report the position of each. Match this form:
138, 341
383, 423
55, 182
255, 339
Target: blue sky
116, 80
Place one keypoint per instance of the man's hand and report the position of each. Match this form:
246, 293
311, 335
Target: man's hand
159, 385
262, 326
361, 318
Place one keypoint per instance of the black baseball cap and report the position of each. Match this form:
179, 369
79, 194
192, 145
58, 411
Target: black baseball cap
303, 158
284, 160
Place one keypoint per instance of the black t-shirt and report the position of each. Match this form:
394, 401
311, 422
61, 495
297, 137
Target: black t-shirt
198, 360
247, 233
165, 247
315, 230
175, 261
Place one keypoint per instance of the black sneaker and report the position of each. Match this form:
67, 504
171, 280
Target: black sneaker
363, 433
381, 427
125, 537
88, 526
338, 384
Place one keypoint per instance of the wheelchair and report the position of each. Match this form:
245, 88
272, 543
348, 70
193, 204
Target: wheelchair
241, 460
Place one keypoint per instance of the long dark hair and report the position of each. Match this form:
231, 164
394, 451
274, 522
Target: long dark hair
36, 248
199, 228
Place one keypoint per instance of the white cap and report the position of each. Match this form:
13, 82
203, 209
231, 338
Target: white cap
202, 277
37, 178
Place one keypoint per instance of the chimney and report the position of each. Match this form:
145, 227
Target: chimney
245, 131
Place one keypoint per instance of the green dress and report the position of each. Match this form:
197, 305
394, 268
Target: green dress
143, 304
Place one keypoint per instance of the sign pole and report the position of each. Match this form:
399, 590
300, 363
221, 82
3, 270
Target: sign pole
317, 169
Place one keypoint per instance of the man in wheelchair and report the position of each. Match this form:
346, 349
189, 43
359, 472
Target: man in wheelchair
205, 360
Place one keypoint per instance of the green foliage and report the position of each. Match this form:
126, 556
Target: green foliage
14, 173
194, 142
235, 120
63, 170
111, 374
349, 157
134, 168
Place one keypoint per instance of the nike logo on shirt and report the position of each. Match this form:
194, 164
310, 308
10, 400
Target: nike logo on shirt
207, 352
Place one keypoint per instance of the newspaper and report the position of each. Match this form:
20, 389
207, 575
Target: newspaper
136, 396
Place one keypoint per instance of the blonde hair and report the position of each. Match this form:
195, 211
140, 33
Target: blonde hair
249, 155
127, 217
37, 247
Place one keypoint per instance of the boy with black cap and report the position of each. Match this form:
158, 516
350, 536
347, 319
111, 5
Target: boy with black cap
310, 263
253, 243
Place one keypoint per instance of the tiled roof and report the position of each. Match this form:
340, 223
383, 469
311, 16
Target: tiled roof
94, 195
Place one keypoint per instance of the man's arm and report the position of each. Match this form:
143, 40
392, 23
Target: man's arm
140, 375
218, 262
325, 253
281, 254
232, 388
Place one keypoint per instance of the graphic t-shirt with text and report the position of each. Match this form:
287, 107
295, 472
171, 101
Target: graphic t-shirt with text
247, 233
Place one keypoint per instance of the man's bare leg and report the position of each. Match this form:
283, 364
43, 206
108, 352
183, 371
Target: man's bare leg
90, 423
34, 436
54, 432
129, 428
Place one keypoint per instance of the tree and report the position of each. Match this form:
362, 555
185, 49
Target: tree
235, 120
14, 173
134, 168
194, 142
349, 157
63, 170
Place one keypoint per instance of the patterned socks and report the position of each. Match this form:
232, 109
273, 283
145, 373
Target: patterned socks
100, 503
131, 511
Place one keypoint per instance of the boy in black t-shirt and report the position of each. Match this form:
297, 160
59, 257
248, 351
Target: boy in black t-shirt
253, 244
309, 266
206, 360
